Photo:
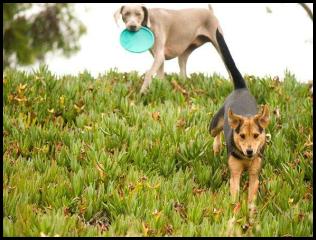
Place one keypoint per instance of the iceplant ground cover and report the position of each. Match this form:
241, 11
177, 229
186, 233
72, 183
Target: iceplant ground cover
85, 156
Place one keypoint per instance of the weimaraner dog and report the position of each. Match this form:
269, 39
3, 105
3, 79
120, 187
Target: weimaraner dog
177, 33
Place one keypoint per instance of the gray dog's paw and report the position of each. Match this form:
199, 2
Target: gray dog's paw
143, 91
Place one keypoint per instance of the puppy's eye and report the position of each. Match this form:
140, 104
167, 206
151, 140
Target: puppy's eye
255, 135
138, 14
127, 13
242, 136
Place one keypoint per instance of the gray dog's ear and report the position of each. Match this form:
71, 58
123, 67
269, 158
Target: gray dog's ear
117, 15
146, 21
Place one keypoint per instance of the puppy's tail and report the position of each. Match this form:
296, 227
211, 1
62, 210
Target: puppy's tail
238, 80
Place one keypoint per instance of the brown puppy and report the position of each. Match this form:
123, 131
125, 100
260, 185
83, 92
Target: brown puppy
244, 130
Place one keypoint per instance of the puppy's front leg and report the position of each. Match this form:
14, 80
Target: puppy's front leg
159, 59
254, 170
236, 169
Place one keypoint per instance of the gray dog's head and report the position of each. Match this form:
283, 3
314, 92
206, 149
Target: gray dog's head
134, 16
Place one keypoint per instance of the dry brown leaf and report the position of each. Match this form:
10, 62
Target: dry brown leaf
20, 99
168, 229
309, 142
62, 100
181, 123
308, 154
156, 116
198, 191
153, 187
66, 211
21, 88
156, 213
87, 127
179, 88
237, 208
131, 186
79, 108
145, 229
51, 110
217, 211
101, 170
142, 179
301, 216
180, 209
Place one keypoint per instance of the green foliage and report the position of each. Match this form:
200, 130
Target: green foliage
28, 37
85, 156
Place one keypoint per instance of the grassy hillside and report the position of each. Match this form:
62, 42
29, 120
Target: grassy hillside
88, 156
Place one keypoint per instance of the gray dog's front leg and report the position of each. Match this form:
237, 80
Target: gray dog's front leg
159, 59
161, 72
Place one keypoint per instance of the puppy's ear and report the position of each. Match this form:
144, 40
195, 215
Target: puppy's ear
234, 120
117, 15
263, 117
146, 21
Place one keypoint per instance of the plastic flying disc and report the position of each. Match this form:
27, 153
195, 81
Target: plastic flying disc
137, 42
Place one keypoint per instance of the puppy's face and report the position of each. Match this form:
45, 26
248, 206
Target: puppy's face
134, 16
249, 132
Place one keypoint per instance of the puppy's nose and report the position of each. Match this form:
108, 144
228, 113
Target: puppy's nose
249, 152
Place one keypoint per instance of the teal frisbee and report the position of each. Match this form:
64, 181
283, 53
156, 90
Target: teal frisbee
137, 42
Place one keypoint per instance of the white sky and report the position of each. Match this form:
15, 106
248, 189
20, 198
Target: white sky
262, 44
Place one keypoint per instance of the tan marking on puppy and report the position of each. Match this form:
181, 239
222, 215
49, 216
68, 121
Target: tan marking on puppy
249, 135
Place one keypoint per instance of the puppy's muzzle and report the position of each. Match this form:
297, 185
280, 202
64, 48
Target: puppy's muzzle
249, 152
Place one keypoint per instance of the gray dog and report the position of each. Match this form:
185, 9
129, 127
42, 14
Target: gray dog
177, 33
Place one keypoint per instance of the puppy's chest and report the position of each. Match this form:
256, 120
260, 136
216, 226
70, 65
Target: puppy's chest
253, 166
247, 163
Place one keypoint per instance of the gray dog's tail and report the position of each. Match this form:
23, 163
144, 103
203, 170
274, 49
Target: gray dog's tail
238, 80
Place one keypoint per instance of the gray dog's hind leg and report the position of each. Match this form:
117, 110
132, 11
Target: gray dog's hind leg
183, 59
